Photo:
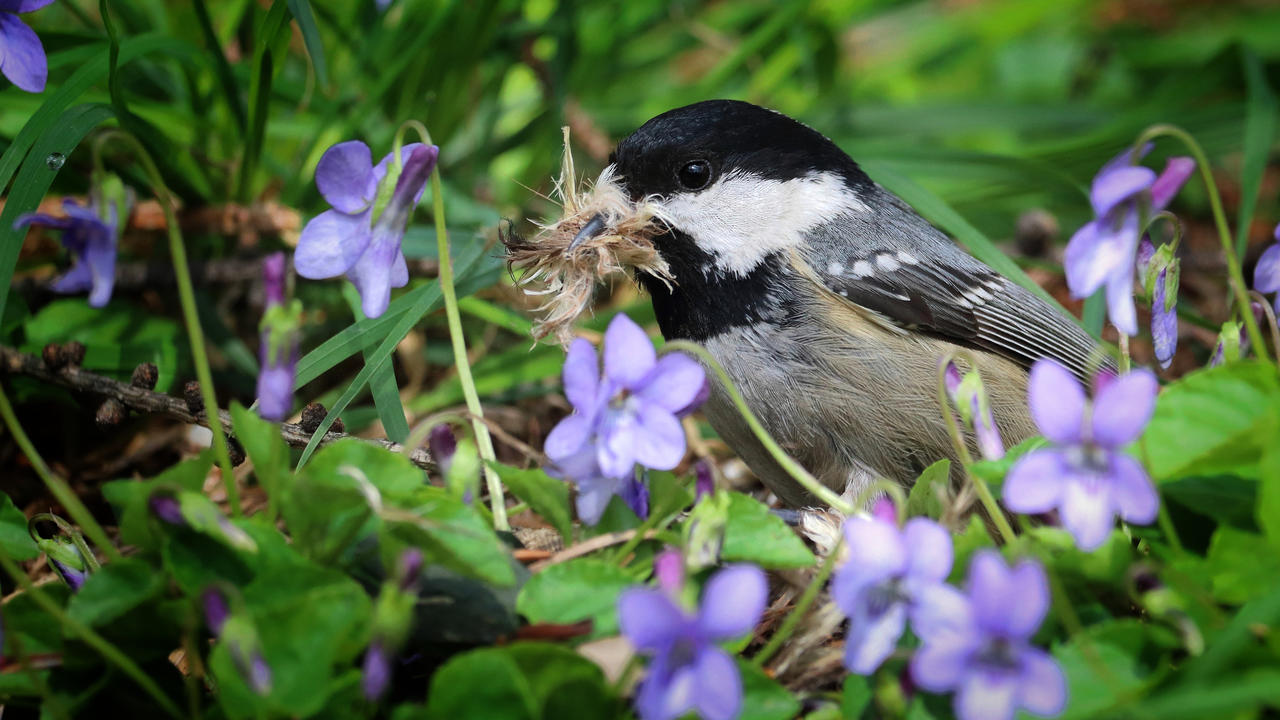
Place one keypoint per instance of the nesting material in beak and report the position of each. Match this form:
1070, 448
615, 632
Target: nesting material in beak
601, 231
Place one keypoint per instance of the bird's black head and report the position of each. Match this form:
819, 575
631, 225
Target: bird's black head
735, 186
688, 149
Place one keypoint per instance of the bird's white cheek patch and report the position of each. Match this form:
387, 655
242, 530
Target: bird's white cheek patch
742, 217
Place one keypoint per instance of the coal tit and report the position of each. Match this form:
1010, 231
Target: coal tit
828, 300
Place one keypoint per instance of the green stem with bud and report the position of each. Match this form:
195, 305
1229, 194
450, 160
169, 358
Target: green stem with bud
56, 485
187, 296
962, 450
785, 461
1235, 274
484, 442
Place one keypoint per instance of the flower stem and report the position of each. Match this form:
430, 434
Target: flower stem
484, 442
1235, 274
74, 628
57, 486
785, 461
801, 608
1271, 319
962, 450
1125, 360
187, 296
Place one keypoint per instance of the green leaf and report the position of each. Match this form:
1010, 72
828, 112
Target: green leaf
564, 683
14, 538
1243, 695
925, 498
668, 495
1212, 422
547, 496
856, 696
1268, 503
114, 590
762, 697
580, 589
1114, 645
265, 448
454, 534
755, 535
392, 474
301, 10
117, 337
481, 684
1240, 565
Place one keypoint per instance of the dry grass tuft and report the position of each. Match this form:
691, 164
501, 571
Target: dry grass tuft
567, 277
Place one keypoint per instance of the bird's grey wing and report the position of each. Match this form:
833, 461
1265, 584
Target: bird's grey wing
894, 263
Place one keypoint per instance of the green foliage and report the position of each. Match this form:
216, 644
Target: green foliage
547, 496
580, 589
755, 535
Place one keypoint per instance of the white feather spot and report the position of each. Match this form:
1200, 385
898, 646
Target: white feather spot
862, 269
907, 258
835, 268
887, 263
742, 217
975, 297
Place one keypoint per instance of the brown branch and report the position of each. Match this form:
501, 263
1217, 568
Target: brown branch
149, 401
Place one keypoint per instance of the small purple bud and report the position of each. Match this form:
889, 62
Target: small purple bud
952, 378
377, 672
885, 511
167, 508
1146, 251
73, 577
443, 445
273, 271
259, 675
704, 484
1164, 321
989, 441
636, 496
668, 568
410, 569
216, 610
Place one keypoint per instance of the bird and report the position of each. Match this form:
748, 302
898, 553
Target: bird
827, 299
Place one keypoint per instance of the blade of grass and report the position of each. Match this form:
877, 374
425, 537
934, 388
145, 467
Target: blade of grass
1259, 131
301, 10
226, 80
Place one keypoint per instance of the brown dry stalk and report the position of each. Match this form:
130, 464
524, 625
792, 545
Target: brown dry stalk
140, 399
568, 277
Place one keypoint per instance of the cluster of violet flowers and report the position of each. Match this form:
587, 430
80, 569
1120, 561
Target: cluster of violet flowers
627, 416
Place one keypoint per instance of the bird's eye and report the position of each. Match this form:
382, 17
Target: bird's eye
695, 174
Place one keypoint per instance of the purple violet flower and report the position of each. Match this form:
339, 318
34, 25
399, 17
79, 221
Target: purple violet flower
689, 671
1103, 252
1164, 317
978, 644
1086, 475
22, 57
216, 609
278, 348
376, 672
443, 444
1266, 274
891, 574
704, 482
636, 495
90, 233
372, 205
626, 417
167, 508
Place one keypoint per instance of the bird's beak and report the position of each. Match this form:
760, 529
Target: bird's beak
594, 227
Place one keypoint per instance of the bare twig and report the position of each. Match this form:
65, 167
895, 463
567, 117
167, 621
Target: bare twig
149, 401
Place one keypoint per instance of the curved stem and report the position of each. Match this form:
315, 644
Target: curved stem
802, 607
1271, 319
484, 442
56, 485
1235, 274
187, 296
72, 626
962, 450
785, 461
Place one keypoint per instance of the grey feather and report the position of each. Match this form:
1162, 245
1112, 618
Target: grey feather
920, 279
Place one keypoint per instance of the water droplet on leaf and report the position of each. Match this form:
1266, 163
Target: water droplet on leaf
55, 161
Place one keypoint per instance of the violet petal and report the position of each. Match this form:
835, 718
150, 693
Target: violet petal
733, 601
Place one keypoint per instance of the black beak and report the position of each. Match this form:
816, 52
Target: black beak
594, 227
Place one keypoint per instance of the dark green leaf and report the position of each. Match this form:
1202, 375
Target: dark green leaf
262, 443
755, 535
301, 10
114, 590
1241, 565
1111, 648
762, 697
580, 589
547, 496
479, 685
129, 497
1259, 130
454, 534
14, 538
564, 683
925, 498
